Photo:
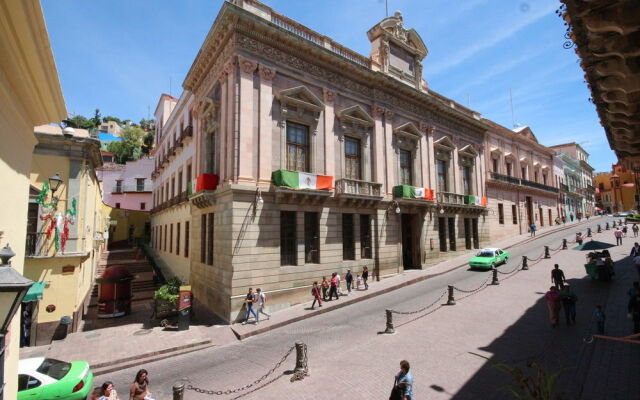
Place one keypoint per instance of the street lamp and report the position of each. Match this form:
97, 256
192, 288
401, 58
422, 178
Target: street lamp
54, 182
13, 287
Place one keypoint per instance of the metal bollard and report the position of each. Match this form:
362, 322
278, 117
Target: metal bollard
564, 244
524, 263
451, 301
495, 281
390, 329
546, 252
606, 227
599, 228
178, 391
588, 232
301, 359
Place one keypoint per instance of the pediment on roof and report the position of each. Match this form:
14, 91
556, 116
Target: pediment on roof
468, 150
408, 130
355, 115
526, 132
393, 28
301, 96
445, 142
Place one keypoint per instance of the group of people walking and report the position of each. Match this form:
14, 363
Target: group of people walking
259, 300
331, 287
139, 389
560, 295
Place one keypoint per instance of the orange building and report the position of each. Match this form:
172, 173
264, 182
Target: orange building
616, 190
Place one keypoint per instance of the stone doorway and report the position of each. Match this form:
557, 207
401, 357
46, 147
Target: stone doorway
410, 241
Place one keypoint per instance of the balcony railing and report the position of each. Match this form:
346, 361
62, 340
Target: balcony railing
450, 198
36, 244
522, 182
564, 187
186, 132
357, 187
147, 187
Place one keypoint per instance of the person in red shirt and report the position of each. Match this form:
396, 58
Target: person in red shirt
334, 286
315, 292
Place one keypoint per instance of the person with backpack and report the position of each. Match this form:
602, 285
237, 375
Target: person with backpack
315, 292
261, 299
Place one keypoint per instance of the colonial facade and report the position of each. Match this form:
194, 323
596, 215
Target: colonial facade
520, 182
308, 158
578, 176
616, 190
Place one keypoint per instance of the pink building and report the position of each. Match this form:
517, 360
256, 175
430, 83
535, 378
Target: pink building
127, 186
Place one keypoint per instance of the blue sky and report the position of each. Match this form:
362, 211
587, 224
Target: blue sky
120, 55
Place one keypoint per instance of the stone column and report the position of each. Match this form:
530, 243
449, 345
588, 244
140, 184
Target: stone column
329, 133
228, 82
378, 148
246, 152
432, 158
424, 155
390, 162
265, 124
482, 173
456, 184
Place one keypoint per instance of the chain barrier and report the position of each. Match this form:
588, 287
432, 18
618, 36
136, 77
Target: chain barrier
422, 309
512, 271
304, 371
240, 389
537, 258
482, 286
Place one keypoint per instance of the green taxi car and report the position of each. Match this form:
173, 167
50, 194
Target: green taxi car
42, 378
489, 258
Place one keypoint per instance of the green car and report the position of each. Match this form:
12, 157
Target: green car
489, 258
45, 378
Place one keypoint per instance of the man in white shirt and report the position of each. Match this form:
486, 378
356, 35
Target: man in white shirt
260, 299
338, 284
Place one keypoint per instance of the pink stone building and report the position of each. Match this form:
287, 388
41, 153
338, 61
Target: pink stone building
127, 186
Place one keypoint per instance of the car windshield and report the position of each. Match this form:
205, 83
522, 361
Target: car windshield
54, 368
485, 254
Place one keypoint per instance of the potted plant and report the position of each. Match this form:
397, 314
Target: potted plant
166, 298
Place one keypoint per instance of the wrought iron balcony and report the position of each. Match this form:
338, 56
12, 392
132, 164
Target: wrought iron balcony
146, 187
505, 178
36, 244
450, 198
564, 187
522, 182
358, 188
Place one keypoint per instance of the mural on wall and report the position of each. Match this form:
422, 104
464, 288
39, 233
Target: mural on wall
58, 222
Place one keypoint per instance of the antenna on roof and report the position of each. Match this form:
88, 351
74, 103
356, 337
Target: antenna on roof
468, 100
386, 8
513, 115
170, 94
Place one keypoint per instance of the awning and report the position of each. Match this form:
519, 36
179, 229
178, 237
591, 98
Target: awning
34, 293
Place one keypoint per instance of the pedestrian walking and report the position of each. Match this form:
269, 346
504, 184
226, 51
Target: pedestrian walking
624, 231
359, 282
338, 286
403, 383
249, 300
349, 279
633, 310
532, 228
325, 288
599, 317
140, 388
557, 277
618, 235
261, 300
571, 217
365, 277
579, 238
333, 289
315, 292
553, 300
635, 250
107, 392
634, 229
569, 300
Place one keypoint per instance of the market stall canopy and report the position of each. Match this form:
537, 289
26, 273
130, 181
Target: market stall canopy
34, 293
593, 245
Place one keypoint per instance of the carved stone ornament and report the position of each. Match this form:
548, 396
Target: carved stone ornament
266, 73
378, 111
248, 66
427, 129
388, 114
329, 95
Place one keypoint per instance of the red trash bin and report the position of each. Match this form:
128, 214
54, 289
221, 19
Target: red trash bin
114, 292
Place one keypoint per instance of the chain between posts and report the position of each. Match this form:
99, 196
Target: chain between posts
510, 272
482, 286
422, 309
240, 389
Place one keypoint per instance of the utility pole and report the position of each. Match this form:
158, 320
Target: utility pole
513, 116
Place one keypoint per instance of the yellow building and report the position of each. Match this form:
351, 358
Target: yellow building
30, 95
126, 226
64, 231
616, 190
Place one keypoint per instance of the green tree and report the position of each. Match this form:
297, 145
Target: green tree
110, 118
79, 122
147, 142
130, 147
97, 118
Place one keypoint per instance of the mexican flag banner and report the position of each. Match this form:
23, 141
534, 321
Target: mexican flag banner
412, 192
301, 180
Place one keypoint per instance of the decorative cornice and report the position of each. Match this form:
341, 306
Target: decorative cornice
247, 65
266, 73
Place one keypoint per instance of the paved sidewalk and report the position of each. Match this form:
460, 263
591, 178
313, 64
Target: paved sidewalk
136, 343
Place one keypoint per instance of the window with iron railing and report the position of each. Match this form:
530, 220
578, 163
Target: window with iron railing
442, 179
352, 158
406, 167
140, 184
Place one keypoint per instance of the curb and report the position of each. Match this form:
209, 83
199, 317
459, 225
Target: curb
245, 335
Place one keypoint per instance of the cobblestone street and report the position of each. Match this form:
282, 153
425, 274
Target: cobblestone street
348, 358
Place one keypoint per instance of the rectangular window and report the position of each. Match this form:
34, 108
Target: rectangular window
406, 170
186, 238
311, 238
180, 182
500, 213
509, 169
348, 241
210, 239
117, 205
189, 175
118, 186
352, 164
495, 164
467, 180
164, 243
288, 242
203, 238
550, 219
452, 233
535, 176
467, 233
170, 238
523, 170
365, 237
514, 214
177, 238
442, 233
173, 186
541, 216
140, 184
297, 147
442, 179
544, 179
476, 236
143, 206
